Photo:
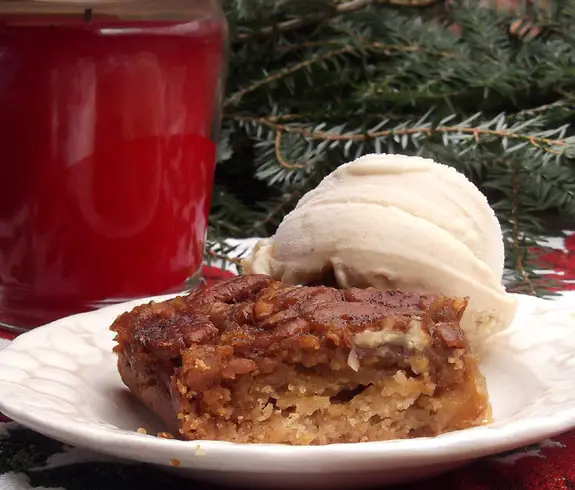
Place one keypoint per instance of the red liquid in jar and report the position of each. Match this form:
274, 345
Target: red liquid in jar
106, 161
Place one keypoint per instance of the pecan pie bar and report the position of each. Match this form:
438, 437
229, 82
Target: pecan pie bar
252, 360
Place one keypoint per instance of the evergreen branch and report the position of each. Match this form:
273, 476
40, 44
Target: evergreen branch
307, 45
318, 58
280, 158
388, 48
236, 97
367, 44
342, 8
409, 49
224, 257
423, 96
540, 142
221, 252
274, 118
501, 84
539, 109
336, 113
565, 104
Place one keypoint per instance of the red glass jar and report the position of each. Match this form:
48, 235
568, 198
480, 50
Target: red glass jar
108, 117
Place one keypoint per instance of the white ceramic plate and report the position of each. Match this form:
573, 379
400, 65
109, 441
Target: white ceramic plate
61, 380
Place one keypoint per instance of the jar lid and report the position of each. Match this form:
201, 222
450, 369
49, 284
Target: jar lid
125, 9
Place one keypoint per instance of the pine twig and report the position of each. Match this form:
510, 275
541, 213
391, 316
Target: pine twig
410, 48
342, 8
282, 161
275, 118
537, 141
367, 43
531, 112
236, 97
224, 257
288, 48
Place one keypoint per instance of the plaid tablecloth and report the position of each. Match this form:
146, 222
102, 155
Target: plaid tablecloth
31, 461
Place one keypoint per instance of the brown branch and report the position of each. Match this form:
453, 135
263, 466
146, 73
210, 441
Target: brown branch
308, 115
342, 8
286, 117
234, 98
517, 251
570, 100
428, 97
387, 48
288, 48
542, 143
411, 49
368, 44
225, 258
280, 158
273, 119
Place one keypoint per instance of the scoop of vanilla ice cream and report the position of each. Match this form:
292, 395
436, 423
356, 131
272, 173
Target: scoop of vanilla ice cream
393, 221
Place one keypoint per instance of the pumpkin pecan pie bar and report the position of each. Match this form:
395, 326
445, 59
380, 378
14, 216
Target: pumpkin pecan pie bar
252, 360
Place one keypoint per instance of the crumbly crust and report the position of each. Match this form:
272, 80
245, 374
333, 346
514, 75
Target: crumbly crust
254, 360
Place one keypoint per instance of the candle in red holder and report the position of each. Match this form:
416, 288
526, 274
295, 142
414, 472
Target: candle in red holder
108, 115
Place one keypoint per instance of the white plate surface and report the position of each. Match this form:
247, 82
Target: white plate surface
61, 380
